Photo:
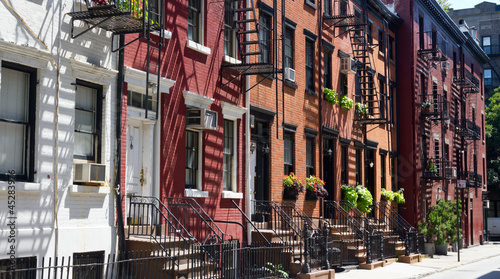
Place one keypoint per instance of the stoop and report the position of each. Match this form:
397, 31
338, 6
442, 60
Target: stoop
320, 274
411, 259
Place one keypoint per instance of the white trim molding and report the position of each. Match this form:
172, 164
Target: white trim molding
92, 73
136, 80
197, 100
195, 193
198, 47
24, 54
231, 111
232, 195
94, 190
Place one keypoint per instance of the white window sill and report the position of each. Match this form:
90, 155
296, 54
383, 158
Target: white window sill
166, 34
83, 189
22, 186
231, 60
232, 195
199, 48
195, 193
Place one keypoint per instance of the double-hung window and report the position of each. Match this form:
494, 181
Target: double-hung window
343, 164
487, 44
487, 76
327, 71
192, 170
265, 37
228, 164
229, 29
309, 156
289, 150
17, 120
309, 65
383, 177
327, 9
383, 98
359, 162
381, 40
88, 119
289, 41
195, 22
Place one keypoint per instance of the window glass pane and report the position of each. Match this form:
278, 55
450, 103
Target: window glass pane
84, 144
289, 48
191, 169
264, 38
14, 95
12, 150
84, 121
288, 150
85, 98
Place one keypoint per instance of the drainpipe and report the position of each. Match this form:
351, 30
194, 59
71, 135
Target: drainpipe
320, 97
119, 96
248, 201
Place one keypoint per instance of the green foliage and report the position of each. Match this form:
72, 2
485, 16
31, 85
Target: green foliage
349, 194
393, 196
399, 196
440, 226
293, 183
426, 105
387, 195
361, 109
331, 96
492, 128
275, 271
365, 199
346, 102
444, 4
316, 185
431, 167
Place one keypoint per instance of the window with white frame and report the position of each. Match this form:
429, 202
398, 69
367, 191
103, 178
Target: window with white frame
193, 171
195, 21
229, 151
289, 41
17, 120
487, 44
229, 29
88, 115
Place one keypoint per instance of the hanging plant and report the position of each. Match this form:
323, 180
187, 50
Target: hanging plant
331, 96
387, 195
365, 199
346, 102
361, 109
399, 196
349, 194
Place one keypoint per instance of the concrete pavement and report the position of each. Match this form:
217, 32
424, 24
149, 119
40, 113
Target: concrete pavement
428, 266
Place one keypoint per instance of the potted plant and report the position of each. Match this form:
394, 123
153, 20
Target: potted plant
426, 106
346, 102
360, 109
349, 194
315, 188
365, 199
331, 96
399, 196
430, 170
440, 225
292, 187
387, 195
275, 270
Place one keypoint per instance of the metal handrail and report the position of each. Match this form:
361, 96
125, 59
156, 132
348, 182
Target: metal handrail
252, 224
300, 213
360, 217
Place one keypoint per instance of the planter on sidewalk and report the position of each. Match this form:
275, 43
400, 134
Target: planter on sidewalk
442, 249
429, 249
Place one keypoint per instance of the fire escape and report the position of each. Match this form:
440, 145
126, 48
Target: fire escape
467, 128
128, 17
368, 94
434, 109
260, 49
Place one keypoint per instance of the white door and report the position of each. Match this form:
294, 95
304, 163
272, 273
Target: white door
134, 159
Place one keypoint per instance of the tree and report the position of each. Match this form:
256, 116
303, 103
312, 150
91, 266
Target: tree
492, 119
444, 4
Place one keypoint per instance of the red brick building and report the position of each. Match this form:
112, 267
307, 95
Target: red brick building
441, 107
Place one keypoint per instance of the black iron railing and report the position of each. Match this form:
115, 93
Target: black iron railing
473, 179
348, 236
435, 169
433, 46
468, 129
436, 107
466, 80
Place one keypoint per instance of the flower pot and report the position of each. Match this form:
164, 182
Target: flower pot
429, 249
311, 195
289, 194
442, 249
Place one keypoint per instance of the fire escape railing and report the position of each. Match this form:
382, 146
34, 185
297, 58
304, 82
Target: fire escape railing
435, 107
473, 179
436, 169
468, 129
466, 80
433, 46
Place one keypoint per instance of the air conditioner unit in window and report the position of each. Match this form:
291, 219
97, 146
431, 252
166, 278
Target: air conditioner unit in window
445, 65
451, 173
347, 65
290, 74
89, 172
201, 119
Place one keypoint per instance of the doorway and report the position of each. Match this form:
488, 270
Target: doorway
259, 164
370, 170
329, 167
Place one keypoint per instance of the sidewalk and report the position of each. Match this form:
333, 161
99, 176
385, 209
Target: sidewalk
428, 266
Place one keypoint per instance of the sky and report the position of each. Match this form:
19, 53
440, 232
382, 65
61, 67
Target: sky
465, 4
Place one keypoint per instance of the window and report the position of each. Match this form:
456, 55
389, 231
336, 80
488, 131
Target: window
391, 48
436, 149
27, 263
487, 44
383, 170
17, 120
309, 156
327, 72
357, 14
343, 7
369, 39
391, 104
88, 121
289, 143
371, 94
192, 159
343, 165
228, 160
195, 27
359, 162
289, 40
482, 126
229, 29
91, 265
383, 98
327, 7
487, 76
265, 37
139, 100
309, 65
421, 31
393, 173
381, 40
343, 84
